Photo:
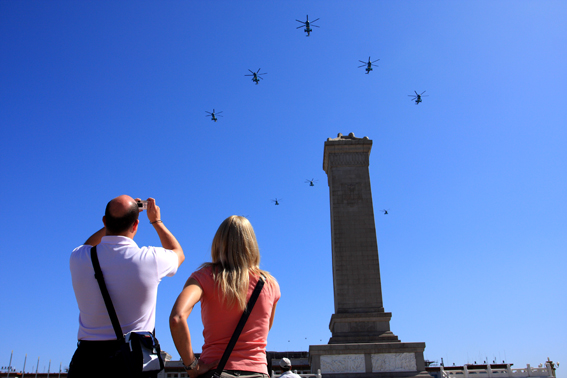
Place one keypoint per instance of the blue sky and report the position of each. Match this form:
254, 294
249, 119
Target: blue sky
99, 99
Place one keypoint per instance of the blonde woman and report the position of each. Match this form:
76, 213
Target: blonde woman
223, 287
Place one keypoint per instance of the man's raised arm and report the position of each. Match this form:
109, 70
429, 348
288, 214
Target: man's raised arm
168, 241
96, 237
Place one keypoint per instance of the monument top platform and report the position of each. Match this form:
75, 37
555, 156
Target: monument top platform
341, 137
348, 150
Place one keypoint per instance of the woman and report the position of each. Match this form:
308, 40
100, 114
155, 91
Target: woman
224, 287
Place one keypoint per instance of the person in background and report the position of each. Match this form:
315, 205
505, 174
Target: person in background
285, 364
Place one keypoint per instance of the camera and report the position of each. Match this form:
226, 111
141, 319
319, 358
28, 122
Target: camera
142, 205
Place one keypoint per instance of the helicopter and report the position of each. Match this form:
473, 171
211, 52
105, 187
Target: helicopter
256, 74
276, 201
213, 115
368, 65
417, 97
311, 182
307, 25
385, 211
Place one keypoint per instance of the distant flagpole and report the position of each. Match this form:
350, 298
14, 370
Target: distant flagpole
49, 368
37, 367
10, 365
59, 376
24, 369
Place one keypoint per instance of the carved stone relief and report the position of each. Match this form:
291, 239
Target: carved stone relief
343, 363
393, 362
349, 159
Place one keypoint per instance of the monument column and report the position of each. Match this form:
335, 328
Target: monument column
359, 313
362, 344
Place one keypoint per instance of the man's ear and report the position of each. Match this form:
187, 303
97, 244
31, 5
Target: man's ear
135, 225
104, 220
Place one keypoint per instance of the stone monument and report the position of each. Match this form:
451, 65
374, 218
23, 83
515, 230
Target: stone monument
362, 344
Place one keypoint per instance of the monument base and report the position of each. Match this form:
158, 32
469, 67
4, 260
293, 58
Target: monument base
371, 327
369, 360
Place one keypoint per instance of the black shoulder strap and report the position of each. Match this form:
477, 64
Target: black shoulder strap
107, 301
240, 326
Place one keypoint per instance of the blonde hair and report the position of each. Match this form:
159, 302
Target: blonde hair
235, 256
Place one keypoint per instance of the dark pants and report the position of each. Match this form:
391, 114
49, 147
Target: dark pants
96, 359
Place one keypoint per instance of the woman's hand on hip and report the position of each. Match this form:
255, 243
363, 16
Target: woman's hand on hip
201, 369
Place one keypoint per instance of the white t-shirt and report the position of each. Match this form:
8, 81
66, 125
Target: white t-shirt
131, 274
289, 374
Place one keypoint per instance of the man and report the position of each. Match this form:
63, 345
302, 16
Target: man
131, 274
285, 364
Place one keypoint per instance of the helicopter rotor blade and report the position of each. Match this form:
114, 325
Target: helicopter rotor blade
219, 113
299, 27
417, 94
315, 26
315, 20
375, 61
422, 93
364, 65
258, 70
299, 21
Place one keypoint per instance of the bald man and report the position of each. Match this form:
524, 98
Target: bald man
131, 274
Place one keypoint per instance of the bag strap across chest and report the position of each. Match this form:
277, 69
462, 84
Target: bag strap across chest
107, 301
240, 326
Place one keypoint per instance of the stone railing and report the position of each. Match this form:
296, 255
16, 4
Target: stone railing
543, 372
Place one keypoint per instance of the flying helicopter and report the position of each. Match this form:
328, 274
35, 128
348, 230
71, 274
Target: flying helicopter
276, 201
213, 115
417, 97
307, 25
368, 65
311, 182
385, 211
256, 75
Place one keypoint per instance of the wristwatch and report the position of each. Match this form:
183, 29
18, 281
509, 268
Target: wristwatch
192, 365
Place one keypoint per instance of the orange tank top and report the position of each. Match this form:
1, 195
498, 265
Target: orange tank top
249, 353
